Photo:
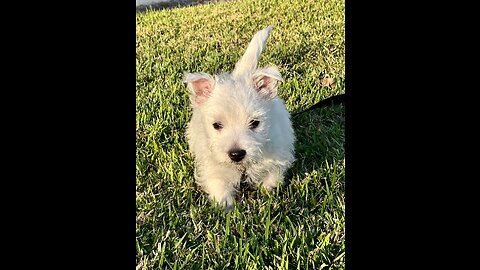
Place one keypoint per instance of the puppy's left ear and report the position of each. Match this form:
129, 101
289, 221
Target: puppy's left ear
265, 81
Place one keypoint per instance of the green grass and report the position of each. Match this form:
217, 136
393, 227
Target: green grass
302, 226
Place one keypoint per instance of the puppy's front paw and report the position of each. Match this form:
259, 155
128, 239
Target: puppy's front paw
226, 201
271, 181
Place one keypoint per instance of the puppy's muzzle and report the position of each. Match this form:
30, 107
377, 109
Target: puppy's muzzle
237, 154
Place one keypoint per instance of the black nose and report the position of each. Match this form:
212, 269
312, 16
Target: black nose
237, 155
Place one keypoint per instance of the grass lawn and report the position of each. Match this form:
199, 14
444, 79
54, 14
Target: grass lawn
302, 226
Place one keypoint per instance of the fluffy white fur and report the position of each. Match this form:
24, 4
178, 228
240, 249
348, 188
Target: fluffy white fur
239, 112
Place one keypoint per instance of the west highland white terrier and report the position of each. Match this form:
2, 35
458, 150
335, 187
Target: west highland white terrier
240, 128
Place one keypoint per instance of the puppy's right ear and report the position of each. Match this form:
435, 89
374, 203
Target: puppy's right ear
266, 80
200, 86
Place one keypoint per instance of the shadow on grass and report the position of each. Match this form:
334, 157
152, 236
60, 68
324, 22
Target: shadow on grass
320, 137
171, 4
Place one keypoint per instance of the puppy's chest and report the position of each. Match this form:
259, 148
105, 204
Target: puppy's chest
253, 174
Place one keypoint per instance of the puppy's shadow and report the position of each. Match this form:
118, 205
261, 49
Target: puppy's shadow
320, 137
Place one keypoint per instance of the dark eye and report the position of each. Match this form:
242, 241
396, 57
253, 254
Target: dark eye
217, 126
254, 124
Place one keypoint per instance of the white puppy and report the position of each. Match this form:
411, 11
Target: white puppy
239, 127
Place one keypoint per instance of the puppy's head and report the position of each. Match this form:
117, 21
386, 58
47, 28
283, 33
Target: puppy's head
234, 109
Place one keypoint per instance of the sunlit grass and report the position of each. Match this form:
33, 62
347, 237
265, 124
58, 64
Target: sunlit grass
300, 227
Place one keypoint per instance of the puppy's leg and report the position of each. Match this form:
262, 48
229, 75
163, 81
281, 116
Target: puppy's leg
273, 178
220, 182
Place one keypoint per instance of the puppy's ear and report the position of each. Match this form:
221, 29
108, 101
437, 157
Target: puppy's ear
200, 86
265, 81
249, 60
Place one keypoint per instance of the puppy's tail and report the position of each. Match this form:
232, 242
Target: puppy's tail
248, 63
